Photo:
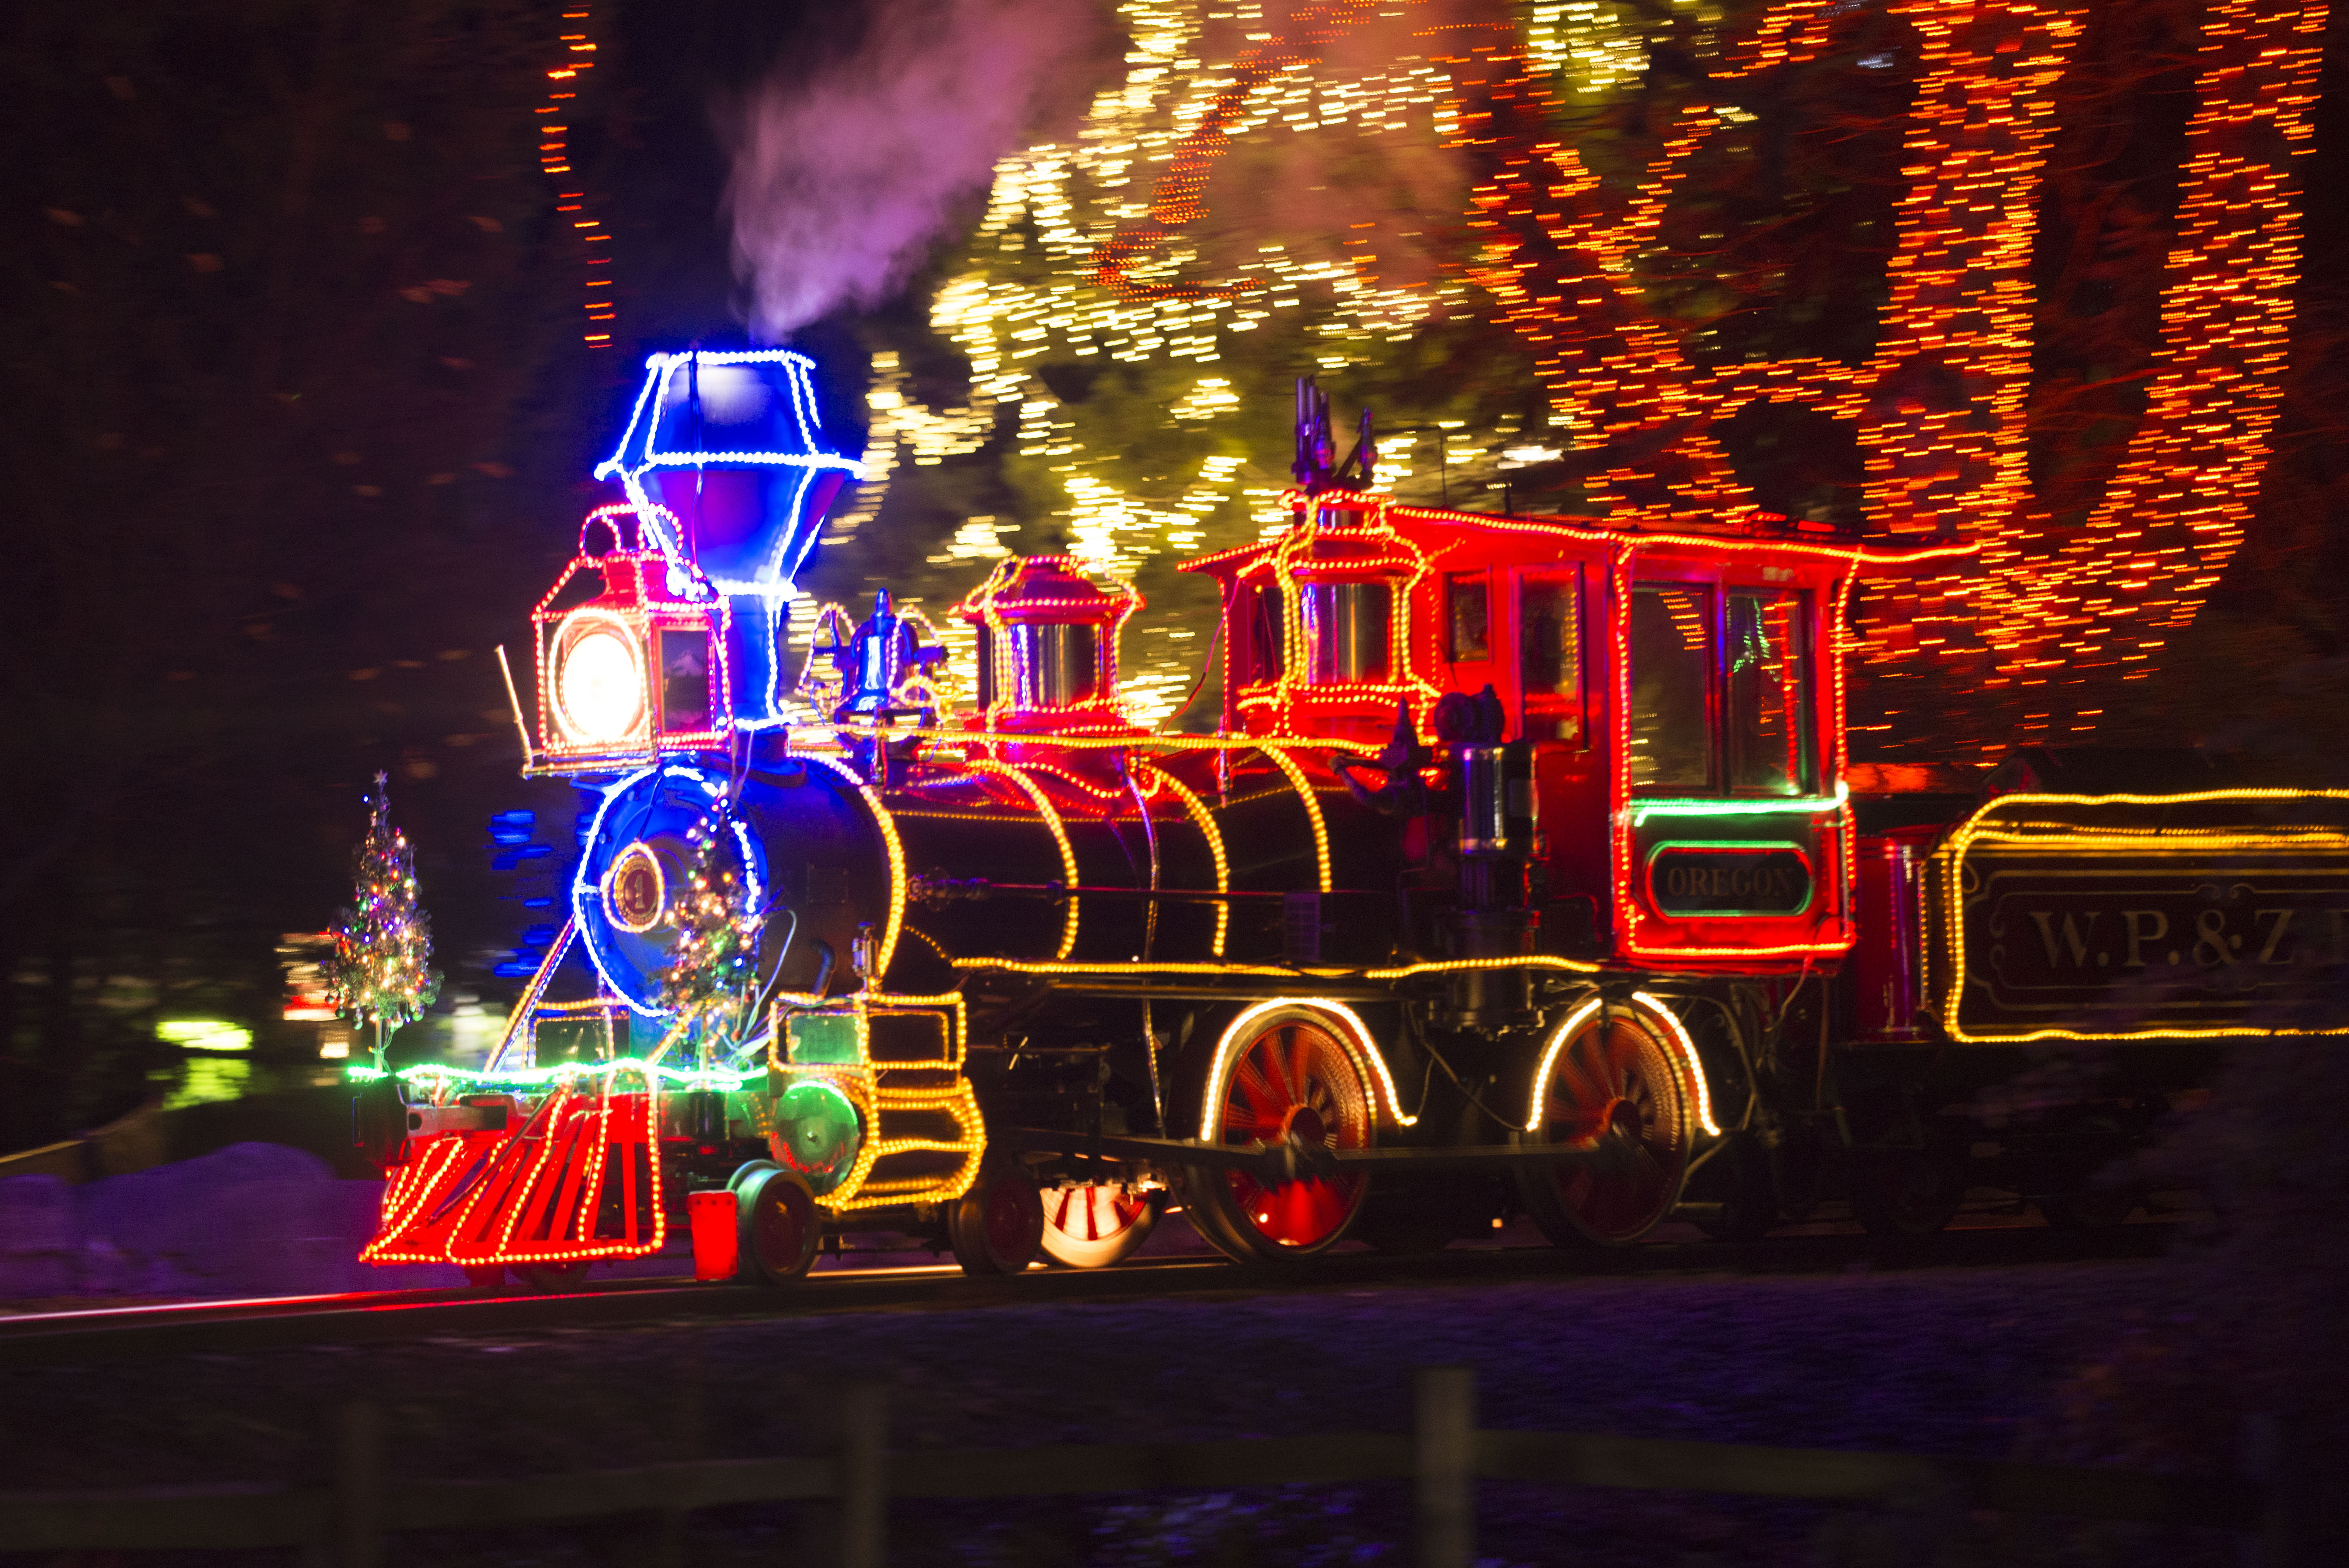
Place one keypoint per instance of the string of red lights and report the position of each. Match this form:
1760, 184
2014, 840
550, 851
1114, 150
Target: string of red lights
1940, 409
555, 157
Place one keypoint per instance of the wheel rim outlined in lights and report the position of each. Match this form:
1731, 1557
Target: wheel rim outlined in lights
599, 680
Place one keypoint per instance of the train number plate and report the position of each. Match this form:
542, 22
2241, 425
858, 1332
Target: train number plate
1729, 879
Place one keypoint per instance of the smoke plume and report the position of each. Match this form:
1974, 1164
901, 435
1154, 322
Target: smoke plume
843, 176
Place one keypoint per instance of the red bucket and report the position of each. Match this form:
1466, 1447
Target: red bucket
714, 1233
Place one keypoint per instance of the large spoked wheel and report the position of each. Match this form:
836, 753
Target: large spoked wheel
1091, 1227
1616, 1086
778, 1228
997, 1227
1286, 1078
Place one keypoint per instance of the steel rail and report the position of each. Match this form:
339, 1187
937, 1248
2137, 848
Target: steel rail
185, 1328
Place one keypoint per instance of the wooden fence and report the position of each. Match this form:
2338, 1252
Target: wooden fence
342, 1525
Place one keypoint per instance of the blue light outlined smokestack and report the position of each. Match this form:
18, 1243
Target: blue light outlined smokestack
723, 452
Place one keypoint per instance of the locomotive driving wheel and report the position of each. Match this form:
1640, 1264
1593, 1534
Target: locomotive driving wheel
1614, 1086
1093, 1226
1283, 1077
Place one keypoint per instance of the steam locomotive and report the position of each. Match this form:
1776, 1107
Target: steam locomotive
1523, 871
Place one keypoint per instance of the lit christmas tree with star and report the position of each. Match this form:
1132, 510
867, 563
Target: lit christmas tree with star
708, 982
381, 972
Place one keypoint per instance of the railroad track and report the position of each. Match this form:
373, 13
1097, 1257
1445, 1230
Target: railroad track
218, 1327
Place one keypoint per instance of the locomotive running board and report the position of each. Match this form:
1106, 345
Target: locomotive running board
1290, 1162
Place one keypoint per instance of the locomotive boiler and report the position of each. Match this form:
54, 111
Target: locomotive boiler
1523, 870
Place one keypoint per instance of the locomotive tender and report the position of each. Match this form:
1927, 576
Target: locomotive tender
1523, 870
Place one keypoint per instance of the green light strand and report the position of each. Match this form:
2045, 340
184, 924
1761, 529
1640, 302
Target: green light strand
542, 1078
1805, 805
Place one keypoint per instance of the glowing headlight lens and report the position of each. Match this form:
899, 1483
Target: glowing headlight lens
600, 687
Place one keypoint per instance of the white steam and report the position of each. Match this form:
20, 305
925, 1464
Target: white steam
843, 178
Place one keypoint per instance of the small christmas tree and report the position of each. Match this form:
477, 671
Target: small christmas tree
714, 966
381, 972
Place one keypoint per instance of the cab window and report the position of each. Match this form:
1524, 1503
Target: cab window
1549, 654
1672, 667
1768, 716
1346, 630
1466, 618
1265, 622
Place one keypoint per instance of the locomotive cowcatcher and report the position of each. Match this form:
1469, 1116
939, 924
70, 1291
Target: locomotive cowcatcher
1523, 870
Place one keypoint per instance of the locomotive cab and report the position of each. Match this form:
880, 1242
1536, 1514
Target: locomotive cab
1671, 700
1732, 837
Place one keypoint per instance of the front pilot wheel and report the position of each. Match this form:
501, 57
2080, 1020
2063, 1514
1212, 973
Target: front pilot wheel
997, 1227
777, 1226
1093, 1226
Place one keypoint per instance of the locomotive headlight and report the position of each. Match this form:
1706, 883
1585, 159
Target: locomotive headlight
599, 681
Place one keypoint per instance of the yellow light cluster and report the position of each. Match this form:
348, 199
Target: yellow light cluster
1112, 970
866, 1085
1467, 966
1368, 1059
1598, 46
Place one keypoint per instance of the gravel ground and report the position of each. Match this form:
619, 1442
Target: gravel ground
1938, 1361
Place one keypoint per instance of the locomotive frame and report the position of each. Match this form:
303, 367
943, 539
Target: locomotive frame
1524, 873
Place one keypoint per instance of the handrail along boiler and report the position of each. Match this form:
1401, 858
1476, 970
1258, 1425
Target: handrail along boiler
1524, 870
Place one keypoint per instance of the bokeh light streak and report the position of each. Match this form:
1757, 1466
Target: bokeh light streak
1940, 409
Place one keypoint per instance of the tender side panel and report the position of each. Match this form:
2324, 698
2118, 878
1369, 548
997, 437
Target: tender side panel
2053, 917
